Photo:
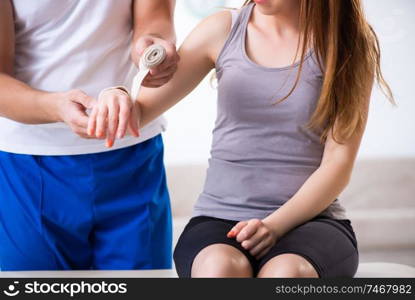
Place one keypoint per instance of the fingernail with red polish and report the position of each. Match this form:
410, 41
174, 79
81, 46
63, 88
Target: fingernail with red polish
231, 234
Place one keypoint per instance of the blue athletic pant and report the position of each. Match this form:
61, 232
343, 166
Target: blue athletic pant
108, 210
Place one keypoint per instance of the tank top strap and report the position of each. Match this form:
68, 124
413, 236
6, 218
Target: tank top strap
245, 16
240, 19
234, 14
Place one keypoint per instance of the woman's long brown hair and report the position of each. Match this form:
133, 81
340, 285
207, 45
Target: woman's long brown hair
348, 52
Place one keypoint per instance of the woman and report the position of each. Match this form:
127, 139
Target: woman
294, 82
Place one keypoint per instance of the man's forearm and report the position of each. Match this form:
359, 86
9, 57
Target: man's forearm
24, 104
158, 28
154, 17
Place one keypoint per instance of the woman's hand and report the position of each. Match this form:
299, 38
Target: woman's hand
254, 236
113, 114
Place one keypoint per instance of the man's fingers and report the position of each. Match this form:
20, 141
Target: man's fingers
85, 100
162, 73
171, 52
78, 116
165, 66
80, 121
171, 59
142, 44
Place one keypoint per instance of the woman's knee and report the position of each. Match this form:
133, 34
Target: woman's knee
288, 266
221, 260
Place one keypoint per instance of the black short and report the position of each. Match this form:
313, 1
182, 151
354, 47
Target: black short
329, 245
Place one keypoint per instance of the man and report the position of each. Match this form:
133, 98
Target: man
66, 200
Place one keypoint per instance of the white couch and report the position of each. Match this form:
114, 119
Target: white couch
368, 270
379, 201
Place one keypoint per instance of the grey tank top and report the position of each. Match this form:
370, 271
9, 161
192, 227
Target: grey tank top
262, 152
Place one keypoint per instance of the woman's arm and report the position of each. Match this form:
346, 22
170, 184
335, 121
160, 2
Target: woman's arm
198, 53
314, 196
324, 185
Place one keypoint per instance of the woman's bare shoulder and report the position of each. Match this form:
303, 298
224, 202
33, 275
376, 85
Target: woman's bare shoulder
211, 33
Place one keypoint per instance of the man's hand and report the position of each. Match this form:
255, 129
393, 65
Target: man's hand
71, 109
161, 74
254, 236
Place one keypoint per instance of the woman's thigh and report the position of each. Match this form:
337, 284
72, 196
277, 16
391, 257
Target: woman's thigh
328, 245
288, 265
219, 261
206, 235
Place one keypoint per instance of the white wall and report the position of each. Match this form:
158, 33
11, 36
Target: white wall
390, 131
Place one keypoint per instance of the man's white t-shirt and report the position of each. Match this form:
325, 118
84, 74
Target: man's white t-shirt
70, 44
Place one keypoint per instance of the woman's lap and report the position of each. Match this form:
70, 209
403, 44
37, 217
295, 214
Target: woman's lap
329, 245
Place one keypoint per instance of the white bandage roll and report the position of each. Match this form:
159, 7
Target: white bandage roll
152, 57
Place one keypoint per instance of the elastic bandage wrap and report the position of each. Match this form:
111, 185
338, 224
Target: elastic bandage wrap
152, 57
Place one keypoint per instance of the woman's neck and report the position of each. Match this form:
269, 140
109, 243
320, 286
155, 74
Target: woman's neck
284, 21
